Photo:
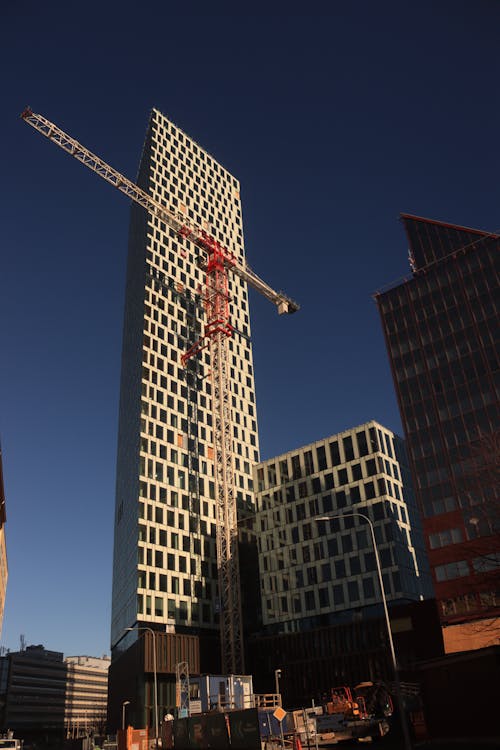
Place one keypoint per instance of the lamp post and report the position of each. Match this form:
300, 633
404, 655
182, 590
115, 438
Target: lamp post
277, 675
399, 697
150, 630
124, 703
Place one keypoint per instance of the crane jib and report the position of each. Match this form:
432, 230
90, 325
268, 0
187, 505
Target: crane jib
217, 330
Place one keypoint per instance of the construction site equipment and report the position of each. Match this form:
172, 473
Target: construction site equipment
219, 262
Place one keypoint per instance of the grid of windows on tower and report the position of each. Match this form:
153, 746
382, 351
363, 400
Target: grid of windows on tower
442, 331
176, 572
315, 569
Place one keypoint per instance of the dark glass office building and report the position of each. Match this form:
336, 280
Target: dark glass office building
442, 330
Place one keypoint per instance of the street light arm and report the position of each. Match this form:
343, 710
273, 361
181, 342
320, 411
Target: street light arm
404, 726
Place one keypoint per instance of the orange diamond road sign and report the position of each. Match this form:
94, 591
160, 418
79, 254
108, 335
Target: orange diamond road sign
279, 714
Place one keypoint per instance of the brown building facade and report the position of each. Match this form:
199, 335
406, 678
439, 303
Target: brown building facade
442, 334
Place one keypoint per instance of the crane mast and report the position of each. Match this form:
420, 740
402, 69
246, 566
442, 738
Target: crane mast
217, 331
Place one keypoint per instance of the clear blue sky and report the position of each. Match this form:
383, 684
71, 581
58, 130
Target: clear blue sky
334, 124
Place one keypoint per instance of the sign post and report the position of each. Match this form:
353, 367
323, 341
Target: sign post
280, 714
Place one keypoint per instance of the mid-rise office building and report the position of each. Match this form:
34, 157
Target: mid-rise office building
165, 567
46, 697
86, 700
317, 572
442, 333
322, 606
34, 685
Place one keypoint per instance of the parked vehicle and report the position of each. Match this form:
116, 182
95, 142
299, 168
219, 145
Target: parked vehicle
348, 713
10, 743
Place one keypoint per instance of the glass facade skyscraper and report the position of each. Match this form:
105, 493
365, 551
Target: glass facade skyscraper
442, 332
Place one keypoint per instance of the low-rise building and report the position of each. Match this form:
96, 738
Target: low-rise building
45, 696
35, 683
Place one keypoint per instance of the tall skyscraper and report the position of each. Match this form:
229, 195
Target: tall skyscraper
442, 332
165, 566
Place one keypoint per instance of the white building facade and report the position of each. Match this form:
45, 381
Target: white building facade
86, 696
315, 572
164, 568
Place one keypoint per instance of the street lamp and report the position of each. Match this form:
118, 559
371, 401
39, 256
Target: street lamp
150, 630
277, 675
406, 735
124, 703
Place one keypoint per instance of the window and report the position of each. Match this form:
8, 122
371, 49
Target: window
314, 507
284, 471
271, 475
355, 566
321, 456
312, 576
355, 494
348, 448
346, 543
329, 483
342, 476
338, 594
368, 588
362, 444
308, 463
452, 570
356, 472
335, 453
327, 504
324, 597
353, 591
341, 499
486, 563
369, 490
310, 601
445, 537
339, 569
333, 547
296, 470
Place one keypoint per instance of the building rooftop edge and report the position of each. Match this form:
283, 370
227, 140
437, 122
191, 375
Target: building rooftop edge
390, 286
208, 153
334, 435
482, 232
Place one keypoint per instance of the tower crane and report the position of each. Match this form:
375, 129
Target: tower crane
220, 262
